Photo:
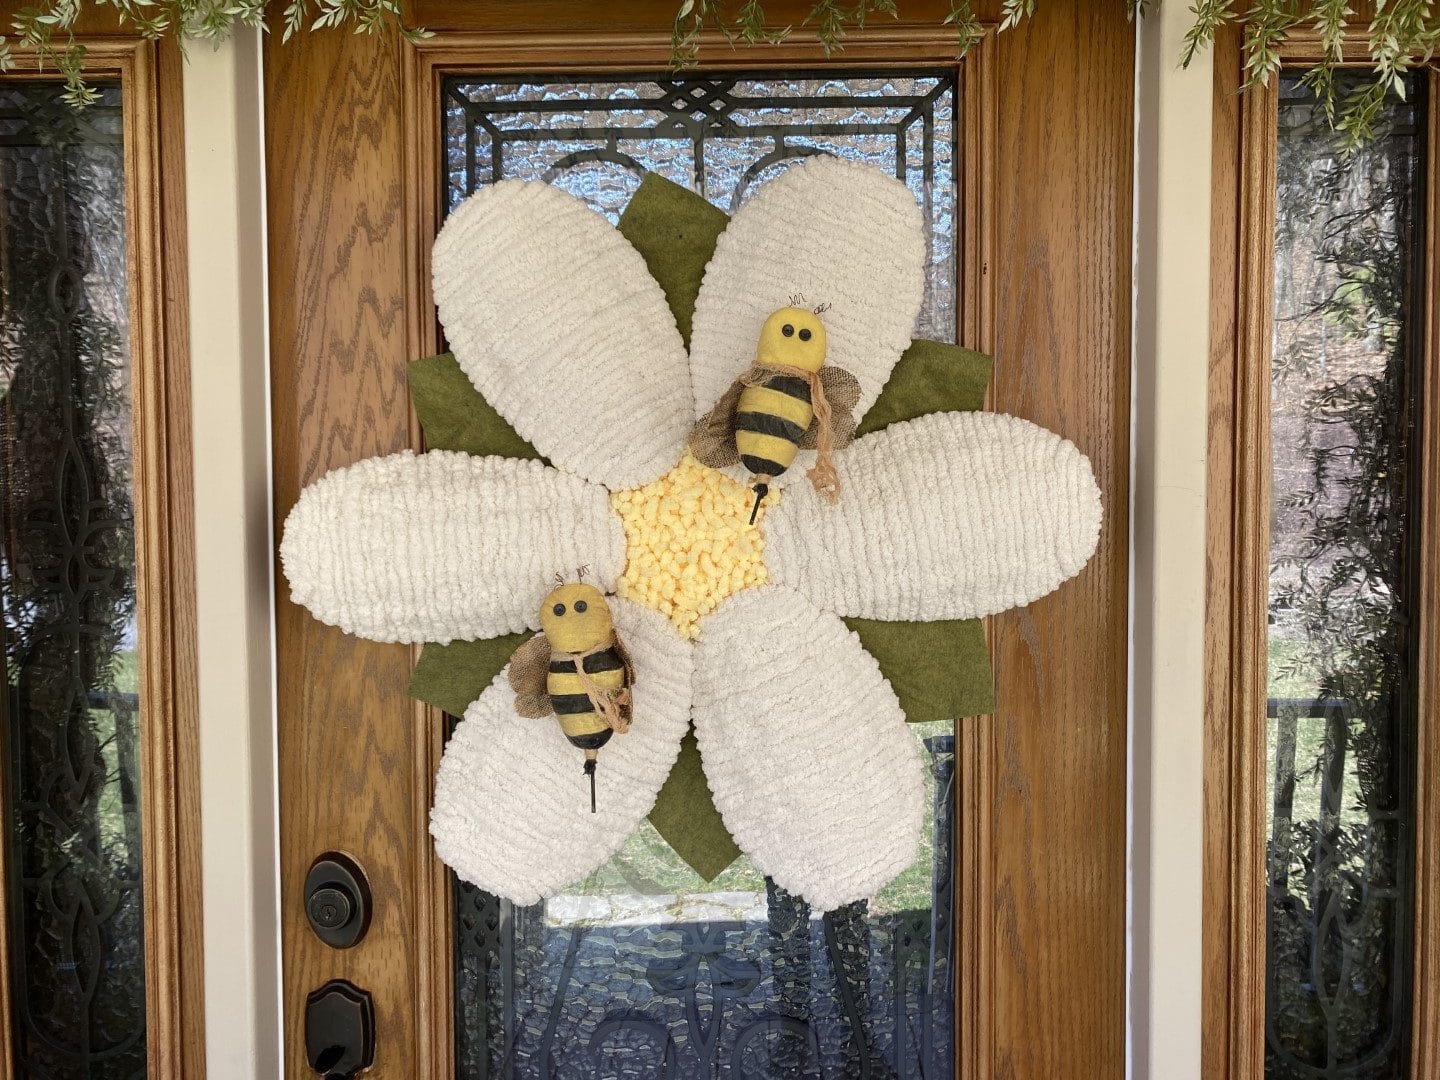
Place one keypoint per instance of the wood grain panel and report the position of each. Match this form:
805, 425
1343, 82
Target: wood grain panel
1062, 346
1233, 1001
1425, 1034
178, 910
975, 738
654, 16
334, 157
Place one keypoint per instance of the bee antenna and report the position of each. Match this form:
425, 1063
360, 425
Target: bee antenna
582, 571
820, 309
797, 299
559, 578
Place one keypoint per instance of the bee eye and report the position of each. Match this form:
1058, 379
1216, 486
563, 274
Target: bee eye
804, 335
559, 609
580, 606
788, 330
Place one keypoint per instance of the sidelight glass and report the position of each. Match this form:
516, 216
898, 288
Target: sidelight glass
645, 970
1345, 403
67, 592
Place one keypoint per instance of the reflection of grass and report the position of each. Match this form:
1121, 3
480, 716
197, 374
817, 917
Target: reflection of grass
913, 889
648, 866
1288, 676
125, 671
124, 679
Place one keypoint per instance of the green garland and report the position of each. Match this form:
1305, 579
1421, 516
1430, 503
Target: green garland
1401, 35
49, 28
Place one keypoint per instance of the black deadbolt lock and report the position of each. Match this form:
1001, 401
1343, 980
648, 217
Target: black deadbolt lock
337, 900
339, 1030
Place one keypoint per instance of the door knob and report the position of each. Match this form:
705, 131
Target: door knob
337, 900
339, 1030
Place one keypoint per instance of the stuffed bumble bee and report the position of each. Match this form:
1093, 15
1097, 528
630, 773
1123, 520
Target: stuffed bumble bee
577, 670
790, 400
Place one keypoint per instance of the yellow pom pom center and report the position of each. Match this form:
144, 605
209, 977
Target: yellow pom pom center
689, 542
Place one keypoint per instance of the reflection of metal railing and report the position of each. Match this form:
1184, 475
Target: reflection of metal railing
108, 699
1287, 712
1322, 907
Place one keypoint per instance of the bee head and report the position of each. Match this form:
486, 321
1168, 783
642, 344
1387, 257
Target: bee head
793, 336
576, 618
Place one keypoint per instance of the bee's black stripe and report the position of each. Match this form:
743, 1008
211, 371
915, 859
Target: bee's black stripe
571, 704
593, 741
761, 466
766, 424
791, 386
605, 660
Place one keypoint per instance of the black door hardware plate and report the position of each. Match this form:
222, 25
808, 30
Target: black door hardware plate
339, 1030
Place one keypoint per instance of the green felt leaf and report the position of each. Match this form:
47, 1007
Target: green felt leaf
675, 230
940, 670
451, 676
931, 376
685, 815
456, 416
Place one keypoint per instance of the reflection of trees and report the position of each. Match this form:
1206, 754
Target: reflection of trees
66, 566
1346, 242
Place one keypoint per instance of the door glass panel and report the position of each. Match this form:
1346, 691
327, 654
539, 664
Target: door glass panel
67, 590
645, 970
1349, 319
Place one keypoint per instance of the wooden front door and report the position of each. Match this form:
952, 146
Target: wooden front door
357, 139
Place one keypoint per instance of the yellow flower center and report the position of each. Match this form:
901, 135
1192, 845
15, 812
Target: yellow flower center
690, 543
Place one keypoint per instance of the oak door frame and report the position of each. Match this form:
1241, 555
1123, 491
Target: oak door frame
428, 64
1237, 587
150, 76
351, 185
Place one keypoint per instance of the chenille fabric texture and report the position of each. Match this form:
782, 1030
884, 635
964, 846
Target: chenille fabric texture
463, 523
553, 317
855, 809
510, 795
989, 511
578, 341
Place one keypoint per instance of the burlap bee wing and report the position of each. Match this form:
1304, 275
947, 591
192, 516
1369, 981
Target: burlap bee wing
627, 695
529, 667
713, 439
842, 391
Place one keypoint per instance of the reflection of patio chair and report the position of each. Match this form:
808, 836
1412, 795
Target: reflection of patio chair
852, 994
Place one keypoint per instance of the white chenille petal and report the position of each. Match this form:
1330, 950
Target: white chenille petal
805, 748
947, 516
553, 315
444, 546
512, 804
840, 233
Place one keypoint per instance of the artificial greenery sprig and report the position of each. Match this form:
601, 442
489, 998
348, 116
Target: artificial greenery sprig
49, 29
1399, 35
